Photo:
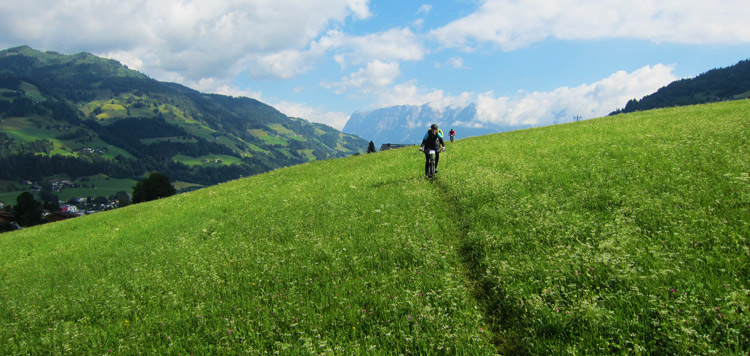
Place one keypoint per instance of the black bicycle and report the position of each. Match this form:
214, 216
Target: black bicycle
431, 169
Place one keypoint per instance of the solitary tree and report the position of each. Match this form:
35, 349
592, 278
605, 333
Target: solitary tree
28, 210
371, 147
155, 186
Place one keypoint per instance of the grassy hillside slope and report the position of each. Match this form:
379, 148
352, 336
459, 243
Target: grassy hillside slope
622, 235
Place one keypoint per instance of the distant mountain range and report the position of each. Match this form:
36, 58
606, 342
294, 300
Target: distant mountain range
730, 83
407, 124
81, 115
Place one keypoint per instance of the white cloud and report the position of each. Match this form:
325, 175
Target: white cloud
398, 44
388, 46
336, 120
456, 62
537, 108
283, 64
376, 75
178, 38
516, 24
361, 8
560, 105
210, 86
424, 9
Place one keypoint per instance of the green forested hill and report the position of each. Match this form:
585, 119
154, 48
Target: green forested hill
81, 115
625, 235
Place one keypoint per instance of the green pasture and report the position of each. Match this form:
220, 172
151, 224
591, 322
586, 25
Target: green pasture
307, 153
97, 186
258, 132
180, 186
287, 133
273, 139
201, 161
24, 130
10, 198
32, 91
624, 235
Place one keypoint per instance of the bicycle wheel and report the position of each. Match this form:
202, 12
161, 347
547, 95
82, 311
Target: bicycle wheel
431, 172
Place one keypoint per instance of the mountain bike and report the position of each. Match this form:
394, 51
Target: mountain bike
431, 169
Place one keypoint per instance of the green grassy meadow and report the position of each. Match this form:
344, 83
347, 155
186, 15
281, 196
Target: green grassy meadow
623, 235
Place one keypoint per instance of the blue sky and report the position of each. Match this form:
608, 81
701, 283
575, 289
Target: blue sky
322, 60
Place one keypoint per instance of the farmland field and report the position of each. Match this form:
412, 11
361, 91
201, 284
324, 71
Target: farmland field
218, 160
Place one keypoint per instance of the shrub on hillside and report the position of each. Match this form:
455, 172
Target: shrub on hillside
156, 186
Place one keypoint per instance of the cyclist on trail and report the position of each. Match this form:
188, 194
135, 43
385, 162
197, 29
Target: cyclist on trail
433, 140
452, 133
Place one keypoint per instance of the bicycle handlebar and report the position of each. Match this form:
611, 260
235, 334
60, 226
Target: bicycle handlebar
432, 151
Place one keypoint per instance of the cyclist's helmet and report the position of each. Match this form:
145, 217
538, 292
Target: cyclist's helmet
434, 127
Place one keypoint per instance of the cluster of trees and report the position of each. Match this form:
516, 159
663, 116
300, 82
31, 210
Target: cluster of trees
155, 186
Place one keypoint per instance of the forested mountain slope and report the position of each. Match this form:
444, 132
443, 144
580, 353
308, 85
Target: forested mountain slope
81, 115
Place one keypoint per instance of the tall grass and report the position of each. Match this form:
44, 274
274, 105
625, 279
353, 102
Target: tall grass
622, 235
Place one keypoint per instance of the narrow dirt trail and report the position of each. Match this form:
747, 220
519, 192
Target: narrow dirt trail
472, 254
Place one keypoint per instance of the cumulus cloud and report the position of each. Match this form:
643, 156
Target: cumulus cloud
336, 120
223, 89
456, 62
376, 75
516, 24
537, 108
397, 44
178, 38
560, 105
283, 64
424, 9
348, 51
